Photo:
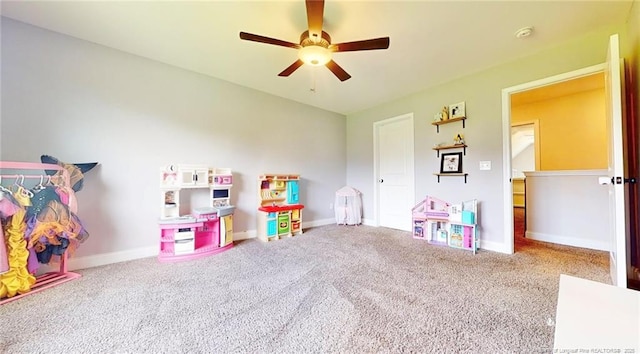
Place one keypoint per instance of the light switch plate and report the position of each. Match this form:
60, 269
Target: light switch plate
485, 165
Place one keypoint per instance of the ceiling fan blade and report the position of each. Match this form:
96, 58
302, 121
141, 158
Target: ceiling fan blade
338, 71
368, 44
315, 12
267, 40
293, 67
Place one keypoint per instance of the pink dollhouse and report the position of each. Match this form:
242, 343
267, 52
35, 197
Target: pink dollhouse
442, 223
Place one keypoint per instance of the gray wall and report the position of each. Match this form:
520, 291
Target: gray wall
483, 133
83, 102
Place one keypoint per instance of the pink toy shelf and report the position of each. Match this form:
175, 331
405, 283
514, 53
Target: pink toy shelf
26, 171
207, 230
442, 223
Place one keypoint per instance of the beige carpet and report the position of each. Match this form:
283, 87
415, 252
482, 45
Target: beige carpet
519, 229
334, 289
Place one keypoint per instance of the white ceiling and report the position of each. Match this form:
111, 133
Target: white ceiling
431, 42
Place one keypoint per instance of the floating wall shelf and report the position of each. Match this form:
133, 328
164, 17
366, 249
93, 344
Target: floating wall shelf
451, 175
455, 146
447, 121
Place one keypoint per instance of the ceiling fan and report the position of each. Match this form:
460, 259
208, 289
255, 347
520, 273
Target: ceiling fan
315, 46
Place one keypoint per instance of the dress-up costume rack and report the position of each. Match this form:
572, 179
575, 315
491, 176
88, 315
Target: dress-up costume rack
37, 210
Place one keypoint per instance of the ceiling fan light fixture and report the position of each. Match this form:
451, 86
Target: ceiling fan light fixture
314, 55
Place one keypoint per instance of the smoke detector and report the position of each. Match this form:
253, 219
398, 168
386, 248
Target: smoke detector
524, 32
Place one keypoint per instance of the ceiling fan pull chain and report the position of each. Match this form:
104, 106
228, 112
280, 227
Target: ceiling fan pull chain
313, 80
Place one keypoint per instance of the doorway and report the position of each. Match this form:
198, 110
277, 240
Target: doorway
525, 157
508, 96
393, 164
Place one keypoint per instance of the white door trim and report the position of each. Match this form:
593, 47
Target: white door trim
376, 154
618, 193
507, 243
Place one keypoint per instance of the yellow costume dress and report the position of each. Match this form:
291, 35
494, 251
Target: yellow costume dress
17, 280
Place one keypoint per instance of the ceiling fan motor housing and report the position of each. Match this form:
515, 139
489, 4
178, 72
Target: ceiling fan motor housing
306, 40
315, 51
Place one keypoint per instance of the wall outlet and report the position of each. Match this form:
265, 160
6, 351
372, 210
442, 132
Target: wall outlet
485, 165
330, 206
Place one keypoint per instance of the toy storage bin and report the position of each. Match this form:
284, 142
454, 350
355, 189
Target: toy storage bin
348, 206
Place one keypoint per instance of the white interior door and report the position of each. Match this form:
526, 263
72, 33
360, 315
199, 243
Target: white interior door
394, 172
616, 168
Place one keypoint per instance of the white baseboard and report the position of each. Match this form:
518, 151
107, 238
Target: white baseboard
494, 246
102, 259
369, 222
151, 251
245, 235
316, 223
568, 241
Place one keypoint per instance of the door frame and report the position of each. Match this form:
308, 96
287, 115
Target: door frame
508, 241
376, 167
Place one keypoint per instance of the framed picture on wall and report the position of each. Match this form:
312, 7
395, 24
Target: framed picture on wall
456, 110
451, 162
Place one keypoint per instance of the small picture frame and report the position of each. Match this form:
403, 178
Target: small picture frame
457, 110
451, 162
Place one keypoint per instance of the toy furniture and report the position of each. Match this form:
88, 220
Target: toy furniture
207, 230
443, 223
348, 206
279, 210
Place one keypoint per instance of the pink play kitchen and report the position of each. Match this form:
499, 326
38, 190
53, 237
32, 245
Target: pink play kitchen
206, 230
